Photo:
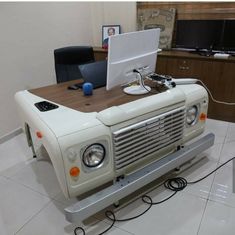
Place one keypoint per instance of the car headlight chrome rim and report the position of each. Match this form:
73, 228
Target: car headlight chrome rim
192, 115
94, 155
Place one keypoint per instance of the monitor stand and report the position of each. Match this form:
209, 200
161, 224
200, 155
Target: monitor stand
137, 89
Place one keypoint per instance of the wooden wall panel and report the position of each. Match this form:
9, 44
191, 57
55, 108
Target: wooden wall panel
195, 10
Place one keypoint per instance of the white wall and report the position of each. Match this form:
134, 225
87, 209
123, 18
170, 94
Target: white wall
29, 34
31, 31
117, 13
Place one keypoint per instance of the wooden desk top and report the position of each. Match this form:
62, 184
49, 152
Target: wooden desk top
100, 100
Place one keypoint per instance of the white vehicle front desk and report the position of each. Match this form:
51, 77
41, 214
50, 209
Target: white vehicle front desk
94, 140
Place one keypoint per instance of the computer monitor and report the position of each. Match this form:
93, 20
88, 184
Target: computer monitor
128, 52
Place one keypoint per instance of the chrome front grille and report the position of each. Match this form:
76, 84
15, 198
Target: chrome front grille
140, 140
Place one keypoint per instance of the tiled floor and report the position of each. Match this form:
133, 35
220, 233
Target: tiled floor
31, 202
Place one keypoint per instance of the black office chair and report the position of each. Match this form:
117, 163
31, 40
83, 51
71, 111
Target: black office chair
67, 60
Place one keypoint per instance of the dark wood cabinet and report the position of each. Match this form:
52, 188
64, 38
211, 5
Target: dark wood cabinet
100, 53
217, 74
183, 67
161, 66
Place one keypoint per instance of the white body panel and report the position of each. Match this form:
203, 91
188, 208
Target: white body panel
67, 132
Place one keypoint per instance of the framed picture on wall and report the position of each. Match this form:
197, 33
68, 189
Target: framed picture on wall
107, 31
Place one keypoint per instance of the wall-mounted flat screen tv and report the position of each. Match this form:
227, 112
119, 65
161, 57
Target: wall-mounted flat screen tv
199, 34
228, 39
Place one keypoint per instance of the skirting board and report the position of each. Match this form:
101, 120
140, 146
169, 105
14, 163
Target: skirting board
10, 135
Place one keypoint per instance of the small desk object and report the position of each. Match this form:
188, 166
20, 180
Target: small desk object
113, 140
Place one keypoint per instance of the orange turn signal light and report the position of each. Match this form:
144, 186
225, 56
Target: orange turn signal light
202, 117
39, 134
74, 171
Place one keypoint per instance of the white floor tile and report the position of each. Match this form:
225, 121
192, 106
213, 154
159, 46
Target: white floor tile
228, 151
231, 133
14, 153
179, 215
17, 205
218, 139
39, 176
218, 219
222, 188
213, 153
61, 199
200, 168
51, 220
219, 128
15, 168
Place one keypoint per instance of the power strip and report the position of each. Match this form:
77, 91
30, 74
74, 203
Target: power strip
184, 81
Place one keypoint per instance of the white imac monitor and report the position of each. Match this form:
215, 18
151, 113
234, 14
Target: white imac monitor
128, 52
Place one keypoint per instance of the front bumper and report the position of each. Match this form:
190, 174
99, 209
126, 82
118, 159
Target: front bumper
100, 200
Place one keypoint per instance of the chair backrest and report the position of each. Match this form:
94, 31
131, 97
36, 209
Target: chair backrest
67, 60
95, 73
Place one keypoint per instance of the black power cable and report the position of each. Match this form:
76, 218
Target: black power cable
174, 184
173, 85
142, 82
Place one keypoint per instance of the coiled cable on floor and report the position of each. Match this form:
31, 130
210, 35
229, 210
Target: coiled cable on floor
174, 184
111, 216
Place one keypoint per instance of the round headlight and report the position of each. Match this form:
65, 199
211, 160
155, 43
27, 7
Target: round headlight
94, 155
191, 115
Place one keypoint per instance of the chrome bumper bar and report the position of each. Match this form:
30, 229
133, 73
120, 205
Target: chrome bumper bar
96, 202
